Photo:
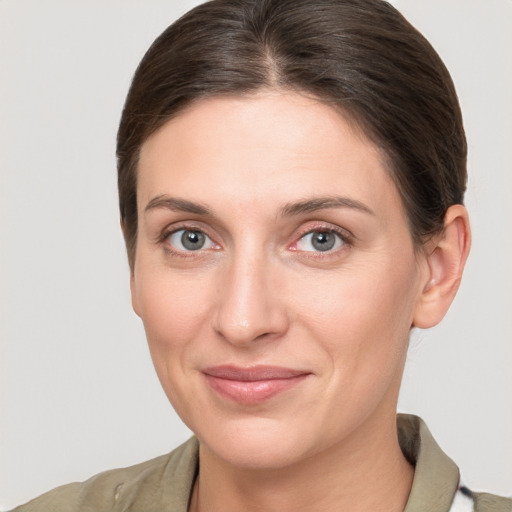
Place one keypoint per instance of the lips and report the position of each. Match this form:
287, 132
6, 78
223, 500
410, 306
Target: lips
254, 385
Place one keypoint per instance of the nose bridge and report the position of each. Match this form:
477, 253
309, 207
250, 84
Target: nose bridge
248, 308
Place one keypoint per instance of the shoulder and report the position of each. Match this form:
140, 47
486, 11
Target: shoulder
485, 502
436, 484
136, 487
468, 501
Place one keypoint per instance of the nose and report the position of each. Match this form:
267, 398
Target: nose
250, 307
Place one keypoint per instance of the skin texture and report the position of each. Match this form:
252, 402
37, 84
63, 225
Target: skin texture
260, 293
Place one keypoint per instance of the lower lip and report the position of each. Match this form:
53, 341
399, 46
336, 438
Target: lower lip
252, 392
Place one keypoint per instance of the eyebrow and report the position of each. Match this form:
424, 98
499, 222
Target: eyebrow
288, 210
323, 203
176, 205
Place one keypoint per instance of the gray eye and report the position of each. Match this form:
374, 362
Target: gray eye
190, 240
321, 241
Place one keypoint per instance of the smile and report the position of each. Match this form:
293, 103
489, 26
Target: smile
255, 385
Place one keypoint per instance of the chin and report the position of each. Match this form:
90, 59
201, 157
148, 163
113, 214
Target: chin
257, 443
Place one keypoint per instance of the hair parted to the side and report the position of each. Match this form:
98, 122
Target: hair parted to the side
361, 56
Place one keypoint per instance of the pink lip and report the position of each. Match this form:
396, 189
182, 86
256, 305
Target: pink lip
254, 385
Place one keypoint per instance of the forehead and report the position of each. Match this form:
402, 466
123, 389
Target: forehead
265, 148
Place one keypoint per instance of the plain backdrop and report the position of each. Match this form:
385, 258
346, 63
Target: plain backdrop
78, 391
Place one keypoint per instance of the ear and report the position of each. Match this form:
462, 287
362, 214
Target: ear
133, 285
445, 259
133, 292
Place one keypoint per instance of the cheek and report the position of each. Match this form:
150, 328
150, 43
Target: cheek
173, 310
175, 316
363, 316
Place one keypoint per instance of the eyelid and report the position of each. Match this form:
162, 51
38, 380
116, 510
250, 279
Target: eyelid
344, 234
208, 241
311, 227
308, 239
173, 227
163, 236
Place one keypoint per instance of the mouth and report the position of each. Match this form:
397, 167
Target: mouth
254, 385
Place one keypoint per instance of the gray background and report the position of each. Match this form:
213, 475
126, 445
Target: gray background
78, 392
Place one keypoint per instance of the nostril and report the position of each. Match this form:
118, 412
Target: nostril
243, 334
264, 335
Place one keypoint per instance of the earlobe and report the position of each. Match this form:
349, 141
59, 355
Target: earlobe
445, 264
133, 292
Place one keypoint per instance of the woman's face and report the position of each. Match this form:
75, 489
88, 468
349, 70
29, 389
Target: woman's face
275, 276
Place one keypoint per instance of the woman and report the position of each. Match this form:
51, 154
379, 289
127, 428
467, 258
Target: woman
291, 180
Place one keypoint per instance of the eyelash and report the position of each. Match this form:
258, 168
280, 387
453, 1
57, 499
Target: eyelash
163, 241
345, 237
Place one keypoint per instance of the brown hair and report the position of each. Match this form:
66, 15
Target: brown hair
361, 56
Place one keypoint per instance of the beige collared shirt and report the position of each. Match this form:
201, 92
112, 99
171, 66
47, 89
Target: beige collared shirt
165, 483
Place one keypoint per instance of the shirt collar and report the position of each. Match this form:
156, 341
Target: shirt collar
436, 477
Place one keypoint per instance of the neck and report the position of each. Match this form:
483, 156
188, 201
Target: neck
366, 472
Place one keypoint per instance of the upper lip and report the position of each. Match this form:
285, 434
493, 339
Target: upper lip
253, 373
